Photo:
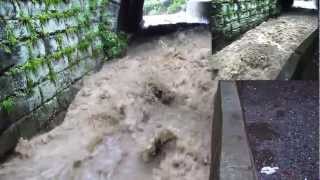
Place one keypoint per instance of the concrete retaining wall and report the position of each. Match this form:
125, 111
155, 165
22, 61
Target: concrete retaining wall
231, 155
45, 47
230, 18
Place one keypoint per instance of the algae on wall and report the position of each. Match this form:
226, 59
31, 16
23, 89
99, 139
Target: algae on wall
45, 46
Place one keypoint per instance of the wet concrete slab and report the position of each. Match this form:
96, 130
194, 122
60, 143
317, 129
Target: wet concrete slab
282, 123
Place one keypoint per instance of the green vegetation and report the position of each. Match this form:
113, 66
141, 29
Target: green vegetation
33, 64
112, 45
155, 7
11, 39
5, 47
52, 76
176, 6
7, 105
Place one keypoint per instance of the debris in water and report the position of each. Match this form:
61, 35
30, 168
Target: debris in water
22, 148
157, 143
162, 93
94, 143
269, 170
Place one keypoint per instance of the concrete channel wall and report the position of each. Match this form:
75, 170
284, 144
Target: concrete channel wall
45, 47
230, 18
231, 155
299, 66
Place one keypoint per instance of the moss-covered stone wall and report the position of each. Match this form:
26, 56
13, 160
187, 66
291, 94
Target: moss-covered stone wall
45, 47
230, 18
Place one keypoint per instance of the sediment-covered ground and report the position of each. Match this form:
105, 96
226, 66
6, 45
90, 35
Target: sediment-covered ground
145, 116
261, 52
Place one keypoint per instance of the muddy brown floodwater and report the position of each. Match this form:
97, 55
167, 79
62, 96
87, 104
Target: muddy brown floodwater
144, 116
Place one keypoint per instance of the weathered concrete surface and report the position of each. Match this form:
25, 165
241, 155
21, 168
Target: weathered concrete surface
262, 52
302, 65
232, 160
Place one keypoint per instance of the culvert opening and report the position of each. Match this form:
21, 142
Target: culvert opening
299, 4
305, 4
152, 18
166, 12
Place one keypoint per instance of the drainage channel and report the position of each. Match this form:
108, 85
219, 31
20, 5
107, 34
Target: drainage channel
144, 116
269, 130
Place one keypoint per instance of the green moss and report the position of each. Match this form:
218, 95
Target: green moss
6, 48
56, 56
59, 39
114, 44
43, 18
10, 36
30, 85
25, 19
72, 30
7, 105
51, 2
52, 76
46, 16
33, 64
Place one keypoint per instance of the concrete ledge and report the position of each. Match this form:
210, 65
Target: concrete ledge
297, 58
231, 155
262, 53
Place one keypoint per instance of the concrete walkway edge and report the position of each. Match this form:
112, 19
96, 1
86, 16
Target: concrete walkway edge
231, 155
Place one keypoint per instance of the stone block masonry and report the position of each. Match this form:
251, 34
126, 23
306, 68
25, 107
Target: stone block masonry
45, 47
230, 18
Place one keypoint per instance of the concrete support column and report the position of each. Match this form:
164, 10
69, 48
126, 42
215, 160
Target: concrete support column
131, 13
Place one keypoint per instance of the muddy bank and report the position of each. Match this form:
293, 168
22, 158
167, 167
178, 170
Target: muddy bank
261, 52
156, 100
